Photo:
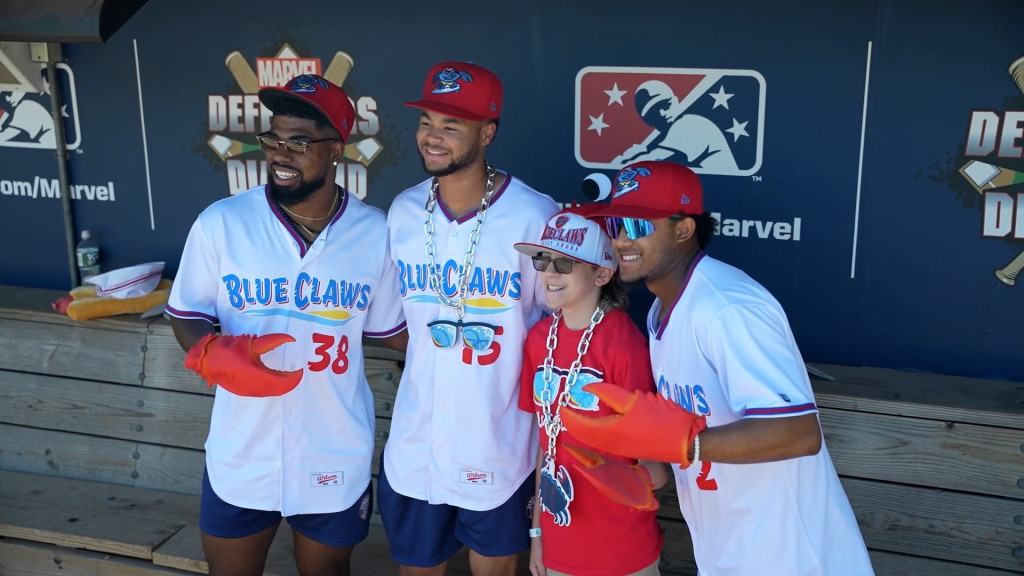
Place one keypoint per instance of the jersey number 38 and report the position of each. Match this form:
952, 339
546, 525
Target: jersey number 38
330, 355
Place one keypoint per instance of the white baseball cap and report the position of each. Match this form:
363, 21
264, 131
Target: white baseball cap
570, 234
129, 282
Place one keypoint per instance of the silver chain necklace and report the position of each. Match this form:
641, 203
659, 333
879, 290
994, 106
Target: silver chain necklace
555, 489
458, 302
550, 421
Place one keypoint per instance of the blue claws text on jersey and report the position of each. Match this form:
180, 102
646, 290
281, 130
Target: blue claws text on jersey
484, 281
327, 293
689, 397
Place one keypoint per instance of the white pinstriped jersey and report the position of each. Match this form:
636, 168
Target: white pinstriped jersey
457, 434
725, 350
309, 450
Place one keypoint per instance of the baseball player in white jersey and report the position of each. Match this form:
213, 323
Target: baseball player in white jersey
458, 465
297, 269
734, 408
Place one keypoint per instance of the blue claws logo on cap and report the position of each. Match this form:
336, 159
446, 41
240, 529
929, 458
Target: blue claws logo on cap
306, 84
560, 221
626, 181
447, 80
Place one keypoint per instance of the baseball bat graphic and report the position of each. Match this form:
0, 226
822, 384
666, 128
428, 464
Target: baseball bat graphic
982, 176
226, 147
242, 72
1017, 73
1008, 274
337, 71
363, 151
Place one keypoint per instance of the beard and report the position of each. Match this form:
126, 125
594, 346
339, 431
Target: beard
296, 193
455, 165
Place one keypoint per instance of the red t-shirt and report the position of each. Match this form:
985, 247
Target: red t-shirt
602, 538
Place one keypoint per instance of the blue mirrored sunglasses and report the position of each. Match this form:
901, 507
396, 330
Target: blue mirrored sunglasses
635, 228
475, 335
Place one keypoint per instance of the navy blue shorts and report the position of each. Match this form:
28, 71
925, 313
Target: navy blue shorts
424, 535
339, 529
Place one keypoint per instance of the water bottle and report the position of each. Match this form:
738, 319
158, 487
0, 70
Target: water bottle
88, 254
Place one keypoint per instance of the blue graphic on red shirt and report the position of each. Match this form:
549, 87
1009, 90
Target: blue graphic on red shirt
545, 393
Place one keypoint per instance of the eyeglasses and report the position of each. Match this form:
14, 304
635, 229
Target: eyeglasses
475, 335
562, 265
636, 228
297, 147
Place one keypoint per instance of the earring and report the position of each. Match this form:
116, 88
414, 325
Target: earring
335, 162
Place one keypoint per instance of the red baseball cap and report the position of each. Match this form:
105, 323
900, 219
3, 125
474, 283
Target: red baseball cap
316, 91
652, 190
462, 90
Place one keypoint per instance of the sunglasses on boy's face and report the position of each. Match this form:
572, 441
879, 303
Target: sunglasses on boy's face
562, 265
635, 228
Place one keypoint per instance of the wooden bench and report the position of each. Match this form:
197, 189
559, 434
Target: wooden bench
102, 432
933, 465
101, 446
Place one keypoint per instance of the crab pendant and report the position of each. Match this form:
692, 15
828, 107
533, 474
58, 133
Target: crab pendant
556, 491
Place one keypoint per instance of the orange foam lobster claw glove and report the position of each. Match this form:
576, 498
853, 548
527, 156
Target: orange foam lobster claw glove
644, 426
234, 363
627, 484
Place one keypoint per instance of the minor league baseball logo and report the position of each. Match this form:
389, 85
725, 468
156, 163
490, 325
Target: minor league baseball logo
711, 120
25, 102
